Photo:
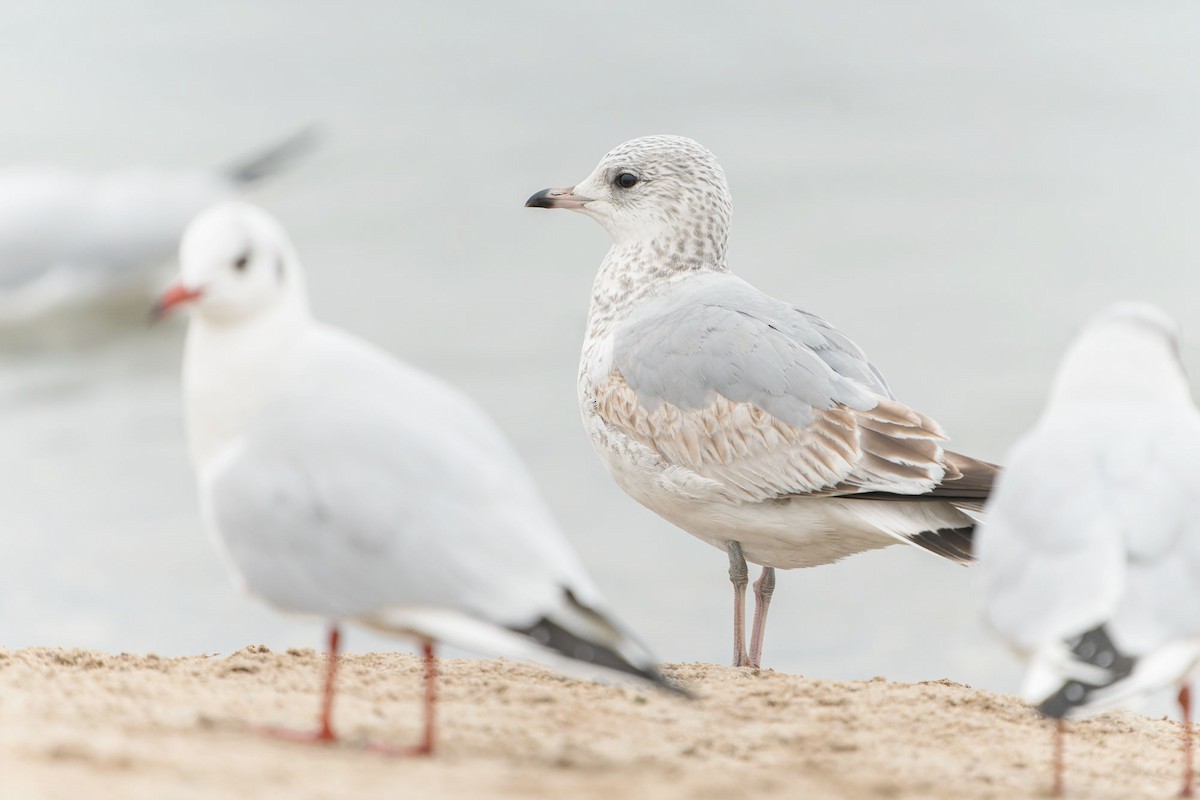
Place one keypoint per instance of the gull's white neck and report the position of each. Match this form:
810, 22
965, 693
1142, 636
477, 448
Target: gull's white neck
232, 368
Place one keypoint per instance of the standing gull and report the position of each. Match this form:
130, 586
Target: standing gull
749, 423
1091, 550
343, 484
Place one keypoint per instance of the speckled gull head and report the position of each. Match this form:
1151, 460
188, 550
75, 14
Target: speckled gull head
663, 192
1128, 352
235, 262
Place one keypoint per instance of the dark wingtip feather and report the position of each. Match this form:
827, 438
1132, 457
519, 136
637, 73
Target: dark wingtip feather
551, 635
1095, 648
275, 158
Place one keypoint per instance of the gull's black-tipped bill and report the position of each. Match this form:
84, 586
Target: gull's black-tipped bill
557, 198
540, 199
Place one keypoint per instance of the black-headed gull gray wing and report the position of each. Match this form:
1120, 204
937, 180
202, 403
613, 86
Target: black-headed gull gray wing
753, 425
346, 485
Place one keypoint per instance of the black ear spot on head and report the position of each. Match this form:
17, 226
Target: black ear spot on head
242, 261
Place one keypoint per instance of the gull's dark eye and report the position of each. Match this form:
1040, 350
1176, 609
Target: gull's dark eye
242, 262
626, 180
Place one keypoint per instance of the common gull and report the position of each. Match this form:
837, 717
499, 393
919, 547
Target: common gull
750, 423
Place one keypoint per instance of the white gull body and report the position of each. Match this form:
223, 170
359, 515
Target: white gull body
751, 424
343, 484
1091, 550
1090, 554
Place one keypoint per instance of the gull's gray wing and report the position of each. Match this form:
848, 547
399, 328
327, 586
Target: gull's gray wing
1087, 528
1161, 514
371, 486
375, 492
1091, 554
1050, 552
763, 398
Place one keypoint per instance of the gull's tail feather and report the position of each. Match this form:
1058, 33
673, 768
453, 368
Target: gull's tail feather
949, 543
276, 158
953, 507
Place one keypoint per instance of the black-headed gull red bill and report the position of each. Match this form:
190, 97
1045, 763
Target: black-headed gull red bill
1091, 550
751, 424
343, 484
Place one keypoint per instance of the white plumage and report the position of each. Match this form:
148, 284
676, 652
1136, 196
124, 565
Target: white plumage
1090, 553
1096, 521
343, 484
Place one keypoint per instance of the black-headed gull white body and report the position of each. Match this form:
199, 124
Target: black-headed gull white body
344, 484
1091, 550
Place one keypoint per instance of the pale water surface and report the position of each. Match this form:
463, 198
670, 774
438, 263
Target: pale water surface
955, 184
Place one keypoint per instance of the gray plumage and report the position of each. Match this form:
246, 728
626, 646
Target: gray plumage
721, 336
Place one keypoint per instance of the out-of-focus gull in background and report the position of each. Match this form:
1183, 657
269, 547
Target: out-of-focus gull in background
1090, 550
343, 484
70, 239
750, 423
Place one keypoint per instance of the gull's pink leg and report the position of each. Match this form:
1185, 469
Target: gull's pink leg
324, 734
764, 587
1059, 733
739, 577
426, 745
425, 748
1185, 703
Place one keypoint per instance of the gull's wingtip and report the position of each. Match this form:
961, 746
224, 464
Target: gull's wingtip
276, 158
557, 638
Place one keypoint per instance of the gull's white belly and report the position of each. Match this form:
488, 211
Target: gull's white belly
784, 533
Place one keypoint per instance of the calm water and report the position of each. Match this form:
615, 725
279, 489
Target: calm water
955, 184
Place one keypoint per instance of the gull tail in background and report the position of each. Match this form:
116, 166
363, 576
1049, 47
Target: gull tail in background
274, 159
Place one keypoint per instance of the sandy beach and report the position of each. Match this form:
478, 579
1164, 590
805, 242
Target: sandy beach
77, 723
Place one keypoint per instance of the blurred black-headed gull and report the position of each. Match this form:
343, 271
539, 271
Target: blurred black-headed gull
343, 484
749, 423
1091, 550
68, 239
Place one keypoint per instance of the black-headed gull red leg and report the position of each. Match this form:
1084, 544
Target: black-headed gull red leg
323, 734
425, 746
1185, 704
